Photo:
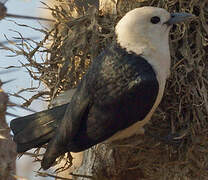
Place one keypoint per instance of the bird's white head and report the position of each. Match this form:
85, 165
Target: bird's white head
145, 31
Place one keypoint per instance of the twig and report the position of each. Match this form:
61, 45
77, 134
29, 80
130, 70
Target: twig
29, 17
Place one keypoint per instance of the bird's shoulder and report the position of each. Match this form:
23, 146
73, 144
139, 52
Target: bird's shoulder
116, 71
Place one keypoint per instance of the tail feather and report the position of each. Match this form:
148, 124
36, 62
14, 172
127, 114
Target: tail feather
34, 132
23, 147
36, 129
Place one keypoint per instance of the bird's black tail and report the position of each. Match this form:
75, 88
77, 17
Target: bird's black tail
37, 129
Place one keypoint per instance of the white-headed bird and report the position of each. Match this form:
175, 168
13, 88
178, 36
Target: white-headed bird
117, 95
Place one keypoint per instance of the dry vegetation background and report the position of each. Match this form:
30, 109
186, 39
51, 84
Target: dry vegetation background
80, 33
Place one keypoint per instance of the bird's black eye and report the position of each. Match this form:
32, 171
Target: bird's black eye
155, 20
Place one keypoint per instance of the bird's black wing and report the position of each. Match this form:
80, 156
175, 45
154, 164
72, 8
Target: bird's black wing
124, 88
68, 126
118, 90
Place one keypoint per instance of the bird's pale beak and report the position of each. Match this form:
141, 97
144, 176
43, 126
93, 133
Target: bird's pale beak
179, 17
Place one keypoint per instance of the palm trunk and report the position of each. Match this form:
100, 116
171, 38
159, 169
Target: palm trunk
7, 146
